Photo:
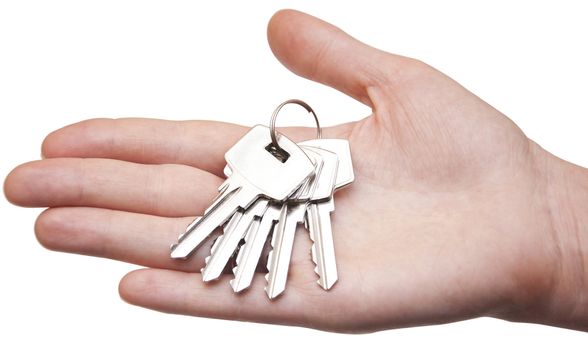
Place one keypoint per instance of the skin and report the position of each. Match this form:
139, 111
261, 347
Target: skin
454, 213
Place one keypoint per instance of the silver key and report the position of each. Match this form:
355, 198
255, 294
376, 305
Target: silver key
256, 237
227, 243
255, 173
250, 252
223, 192
318, 220
278, 259
283, 239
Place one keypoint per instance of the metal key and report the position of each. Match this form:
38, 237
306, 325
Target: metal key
226, 244
223, 192
255, 173
257, 234
250, 252
238, 226
291, 216
318, 220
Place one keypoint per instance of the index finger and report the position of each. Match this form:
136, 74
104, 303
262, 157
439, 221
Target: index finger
200, 143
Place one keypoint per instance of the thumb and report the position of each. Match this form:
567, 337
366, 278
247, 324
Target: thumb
319, 51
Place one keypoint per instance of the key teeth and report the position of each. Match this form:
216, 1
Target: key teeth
239, 256
237, 288
313, 254
238, 259
270, 256
268, 264
233, 282
321, 281
267, 287
203, 270
212, 250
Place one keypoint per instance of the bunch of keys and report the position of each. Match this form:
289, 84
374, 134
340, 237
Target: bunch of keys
272, 186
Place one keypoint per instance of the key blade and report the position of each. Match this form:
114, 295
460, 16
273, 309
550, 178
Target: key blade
249, 235
282, 244
189, 227
240, 281
212, 219
275, 287
250, 252
230, 225
323, 249
229, 241
226, 188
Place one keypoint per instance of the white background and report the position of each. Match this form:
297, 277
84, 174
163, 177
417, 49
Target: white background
63, 61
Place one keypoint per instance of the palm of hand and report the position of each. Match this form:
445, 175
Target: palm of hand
437, 225
434, 228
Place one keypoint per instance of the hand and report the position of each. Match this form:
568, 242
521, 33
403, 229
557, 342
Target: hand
454, 213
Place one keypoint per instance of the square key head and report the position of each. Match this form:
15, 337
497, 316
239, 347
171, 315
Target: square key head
340, 147
326, 179
272, 176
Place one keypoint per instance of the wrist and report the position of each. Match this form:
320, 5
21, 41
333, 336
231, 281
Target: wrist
565, 302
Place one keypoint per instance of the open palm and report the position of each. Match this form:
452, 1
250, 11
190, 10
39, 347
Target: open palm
445, 221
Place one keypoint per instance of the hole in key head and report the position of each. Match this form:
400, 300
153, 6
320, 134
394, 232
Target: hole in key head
279, 154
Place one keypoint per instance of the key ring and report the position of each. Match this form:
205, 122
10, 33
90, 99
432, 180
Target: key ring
273, 132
